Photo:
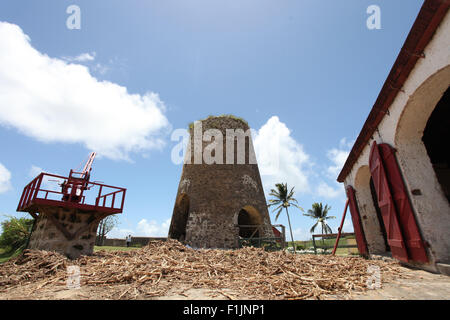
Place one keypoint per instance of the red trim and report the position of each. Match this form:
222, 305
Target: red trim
276, 232
356, 219
340, 228
428, 20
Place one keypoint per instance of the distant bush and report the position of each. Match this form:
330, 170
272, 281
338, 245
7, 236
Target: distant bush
15, 232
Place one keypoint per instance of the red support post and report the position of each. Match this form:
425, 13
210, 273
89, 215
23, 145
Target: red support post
30, 194
123, 198
25, 198
99, 194
340, 229
21, 199
38, 186
113, 200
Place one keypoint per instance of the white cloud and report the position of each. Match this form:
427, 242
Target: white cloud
152, 228
35, 171
338, 156
100, 68
281, 158
326, 191
144, 228
48, 183
57, 101
83, 57
5, 179
119, 233
299, 234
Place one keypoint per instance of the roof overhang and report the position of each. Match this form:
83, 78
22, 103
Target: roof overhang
428, 20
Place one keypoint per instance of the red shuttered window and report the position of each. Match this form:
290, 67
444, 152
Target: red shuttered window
401, 228
405, 214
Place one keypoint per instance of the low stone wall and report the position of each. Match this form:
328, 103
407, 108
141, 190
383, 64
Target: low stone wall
115, 242
135, 241
143, 241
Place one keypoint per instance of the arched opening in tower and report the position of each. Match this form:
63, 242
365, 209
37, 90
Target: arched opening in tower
181, 215
436, 137
249, 221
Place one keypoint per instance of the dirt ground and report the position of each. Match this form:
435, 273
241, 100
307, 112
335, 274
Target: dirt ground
418, 285
60, 292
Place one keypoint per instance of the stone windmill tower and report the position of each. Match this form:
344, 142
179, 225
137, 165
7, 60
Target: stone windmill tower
220, 187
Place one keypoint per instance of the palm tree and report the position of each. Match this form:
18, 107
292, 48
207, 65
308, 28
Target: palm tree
283, 199
320, 213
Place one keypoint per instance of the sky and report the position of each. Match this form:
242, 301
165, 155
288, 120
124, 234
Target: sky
121, 77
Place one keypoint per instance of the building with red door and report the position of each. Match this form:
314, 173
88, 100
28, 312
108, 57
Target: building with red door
397, 175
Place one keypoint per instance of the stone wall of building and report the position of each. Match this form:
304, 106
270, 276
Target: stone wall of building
403, 129
210, 197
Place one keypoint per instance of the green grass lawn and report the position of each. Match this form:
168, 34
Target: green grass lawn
308, 244
109, 248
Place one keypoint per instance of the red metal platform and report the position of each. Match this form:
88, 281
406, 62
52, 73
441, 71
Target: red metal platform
108, 199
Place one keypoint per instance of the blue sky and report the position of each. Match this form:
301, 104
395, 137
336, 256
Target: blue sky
305, 72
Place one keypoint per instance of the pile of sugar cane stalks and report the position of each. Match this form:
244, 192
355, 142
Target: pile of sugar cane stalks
153, 270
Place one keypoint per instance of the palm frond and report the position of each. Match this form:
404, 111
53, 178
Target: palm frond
279, 207
282, 198
273, 202
278, 214
320, 212
291, 193
298, 207
314, 227
293, 199
326, 227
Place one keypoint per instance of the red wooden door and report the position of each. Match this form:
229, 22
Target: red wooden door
387, 205
357, 226
405, 214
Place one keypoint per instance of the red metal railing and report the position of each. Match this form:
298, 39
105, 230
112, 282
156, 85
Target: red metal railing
34, 193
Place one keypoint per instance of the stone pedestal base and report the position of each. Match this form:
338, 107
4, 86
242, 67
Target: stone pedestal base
65, 230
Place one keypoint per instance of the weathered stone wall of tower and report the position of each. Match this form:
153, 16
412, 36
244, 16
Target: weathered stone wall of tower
216, 193
80, 228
